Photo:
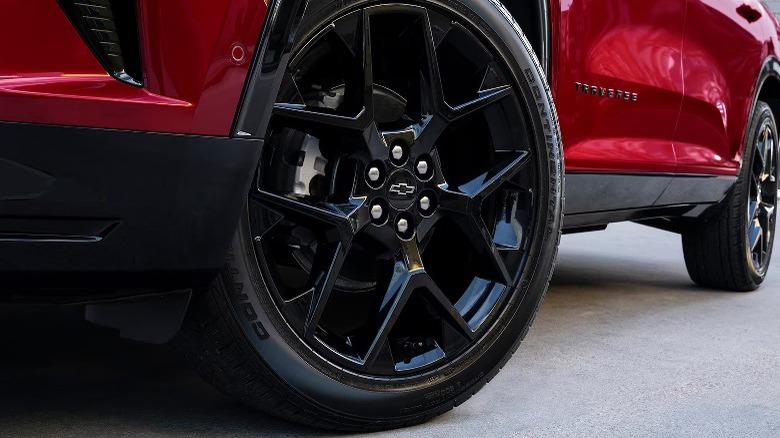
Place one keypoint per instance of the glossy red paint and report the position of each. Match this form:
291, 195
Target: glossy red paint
693, 64
723, 54
627, 46
192, 82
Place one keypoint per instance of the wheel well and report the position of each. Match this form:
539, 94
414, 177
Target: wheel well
770, 93
532, 17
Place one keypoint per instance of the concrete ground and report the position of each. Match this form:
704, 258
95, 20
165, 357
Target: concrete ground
624, 345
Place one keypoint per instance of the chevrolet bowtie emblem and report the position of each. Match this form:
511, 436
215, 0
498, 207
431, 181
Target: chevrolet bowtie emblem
402, 189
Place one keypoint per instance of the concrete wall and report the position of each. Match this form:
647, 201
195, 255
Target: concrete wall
774, 5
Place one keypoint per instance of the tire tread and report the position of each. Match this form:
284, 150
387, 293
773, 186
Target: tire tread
714, 247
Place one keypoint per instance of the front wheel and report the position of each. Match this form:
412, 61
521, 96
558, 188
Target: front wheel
731, 249
404, 222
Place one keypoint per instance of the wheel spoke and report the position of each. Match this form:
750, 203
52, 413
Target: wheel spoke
755, 182
761, 159
479, 300
431, 129
309, 120
769, 213
485, 248
376, 148
452, 313
753, 207
393, 302
324, 273
422, 136
454, 201
508, 227
411, 256
755, 234
433, 101
485, 100
368, 66
765, 216
485, 184
426, 227
348, 219
769, 158
314, 120
406, 272
468, 196
764, 144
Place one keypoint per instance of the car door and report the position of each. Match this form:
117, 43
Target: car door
724, 47
620, 84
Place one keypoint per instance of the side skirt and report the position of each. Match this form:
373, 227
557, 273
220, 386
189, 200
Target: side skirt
597, 199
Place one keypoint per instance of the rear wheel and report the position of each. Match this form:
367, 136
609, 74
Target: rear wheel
731, 250
403, 226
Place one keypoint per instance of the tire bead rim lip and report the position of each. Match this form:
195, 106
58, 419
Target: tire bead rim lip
762, 199
449, 239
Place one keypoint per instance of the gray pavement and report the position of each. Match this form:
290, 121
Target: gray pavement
624, 345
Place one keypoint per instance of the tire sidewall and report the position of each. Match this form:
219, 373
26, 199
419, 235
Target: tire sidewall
322, 383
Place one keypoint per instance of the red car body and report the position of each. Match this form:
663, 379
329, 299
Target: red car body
192, 82
654, 89
692, 64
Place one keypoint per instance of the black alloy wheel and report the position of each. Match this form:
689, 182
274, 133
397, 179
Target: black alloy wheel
762, 198
404, 221
731, 248
378, 191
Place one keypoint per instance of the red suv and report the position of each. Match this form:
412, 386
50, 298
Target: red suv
346, 213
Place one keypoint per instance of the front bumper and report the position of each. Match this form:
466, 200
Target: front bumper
86, 209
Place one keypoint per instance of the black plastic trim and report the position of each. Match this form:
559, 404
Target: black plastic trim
150, 319
594, 199
122, 210
589, 192
58, 230
546, 31
268, 67
602, 218
535, 25
110, 29
770, 68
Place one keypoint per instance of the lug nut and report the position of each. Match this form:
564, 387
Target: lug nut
374, 174
402, 226
377, 212
425, 203
398, 152
422, 168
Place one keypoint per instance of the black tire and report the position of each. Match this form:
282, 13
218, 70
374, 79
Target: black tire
237, 338
719, 251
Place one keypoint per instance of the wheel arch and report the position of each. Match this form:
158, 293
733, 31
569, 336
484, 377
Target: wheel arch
768, 88
253, 115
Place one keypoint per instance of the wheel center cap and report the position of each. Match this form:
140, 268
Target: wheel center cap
401, 189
